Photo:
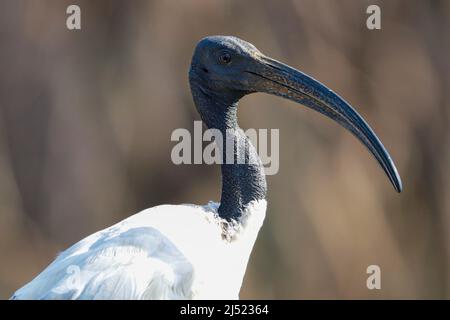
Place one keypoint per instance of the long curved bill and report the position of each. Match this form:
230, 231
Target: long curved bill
282, 80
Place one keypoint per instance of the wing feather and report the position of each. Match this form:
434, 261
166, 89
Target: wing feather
125, 261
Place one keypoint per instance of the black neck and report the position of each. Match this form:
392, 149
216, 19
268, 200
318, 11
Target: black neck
242, 181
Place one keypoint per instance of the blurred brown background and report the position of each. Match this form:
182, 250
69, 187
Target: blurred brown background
86, 118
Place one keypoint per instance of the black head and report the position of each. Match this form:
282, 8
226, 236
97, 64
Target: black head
220, 64
225, 68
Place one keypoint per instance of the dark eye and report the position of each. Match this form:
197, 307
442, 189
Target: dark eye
225, 58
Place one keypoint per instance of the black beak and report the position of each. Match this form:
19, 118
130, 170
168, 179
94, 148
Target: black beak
279, 79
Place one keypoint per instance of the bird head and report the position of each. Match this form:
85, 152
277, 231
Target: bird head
229, 68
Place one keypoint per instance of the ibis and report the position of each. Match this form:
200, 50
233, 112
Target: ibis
200, 251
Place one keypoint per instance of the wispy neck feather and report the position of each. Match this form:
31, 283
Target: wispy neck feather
243, 180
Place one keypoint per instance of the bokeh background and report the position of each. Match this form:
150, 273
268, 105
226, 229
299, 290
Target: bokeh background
86, 118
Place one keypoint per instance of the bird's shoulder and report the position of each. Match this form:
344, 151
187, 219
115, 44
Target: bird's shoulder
142, 256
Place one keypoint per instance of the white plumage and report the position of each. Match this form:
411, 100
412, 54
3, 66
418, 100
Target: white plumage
165, 252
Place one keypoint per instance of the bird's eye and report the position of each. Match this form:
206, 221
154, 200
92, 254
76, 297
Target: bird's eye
225, 58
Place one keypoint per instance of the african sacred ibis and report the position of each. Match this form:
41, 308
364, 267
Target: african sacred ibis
194, 251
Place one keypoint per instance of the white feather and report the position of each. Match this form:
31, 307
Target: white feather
165, 252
